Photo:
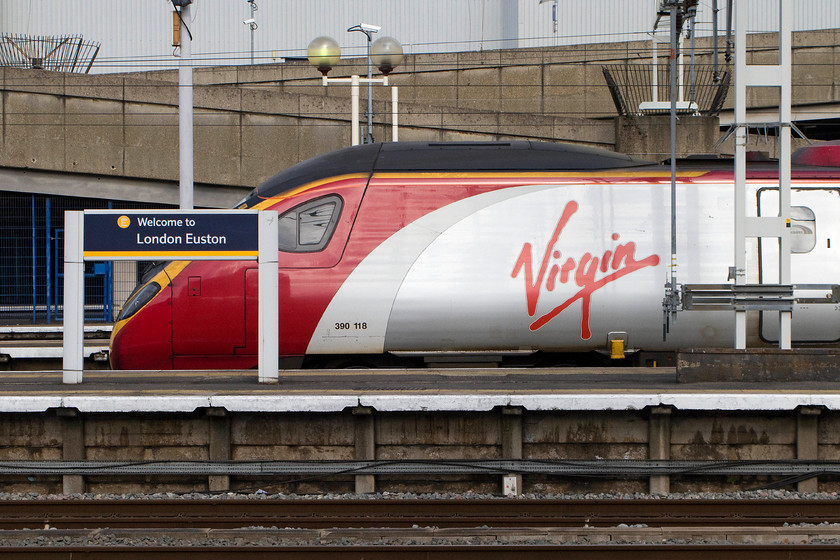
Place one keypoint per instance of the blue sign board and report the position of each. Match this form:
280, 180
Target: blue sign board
156, 234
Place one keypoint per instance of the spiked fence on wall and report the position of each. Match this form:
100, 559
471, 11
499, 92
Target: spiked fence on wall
59, 54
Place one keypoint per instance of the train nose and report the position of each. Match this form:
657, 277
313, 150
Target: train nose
142, 335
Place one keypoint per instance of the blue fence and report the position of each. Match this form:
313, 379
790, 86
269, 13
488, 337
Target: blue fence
32, 261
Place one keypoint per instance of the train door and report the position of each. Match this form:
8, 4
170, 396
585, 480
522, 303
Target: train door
215, 305
207, 318
815, 259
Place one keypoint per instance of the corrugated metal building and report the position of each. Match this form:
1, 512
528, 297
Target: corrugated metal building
136, 35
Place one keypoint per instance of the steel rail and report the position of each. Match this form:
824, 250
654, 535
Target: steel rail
433, 552
229, 513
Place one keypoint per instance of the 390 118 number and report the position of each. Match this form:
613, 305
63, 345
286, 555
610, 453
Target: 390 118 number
348, 326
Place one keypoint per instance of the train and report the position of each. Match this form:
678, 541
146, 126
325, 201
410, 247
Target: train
521, 253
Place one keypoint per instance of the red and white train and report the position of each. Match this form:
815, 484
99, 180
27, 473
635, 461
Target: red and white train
514, 252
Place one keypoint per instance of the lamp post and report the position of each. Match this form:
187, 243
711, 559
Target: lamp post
185, 109
386, 53
252, 25
368, 30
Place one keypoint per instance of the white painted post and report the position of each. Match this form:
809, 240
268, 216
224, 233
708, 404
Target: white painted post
268, 313
740, 164
355, 81
74, 298
756, 75
785, 56
395, 100
185, 115
354, 110
654, 78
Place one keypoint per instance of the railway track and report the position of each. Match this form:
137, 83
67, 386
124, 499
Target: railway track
339, 529
442, 552
401, 513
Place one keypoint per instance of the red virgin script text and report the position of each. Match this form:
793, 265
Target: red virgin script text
621, 260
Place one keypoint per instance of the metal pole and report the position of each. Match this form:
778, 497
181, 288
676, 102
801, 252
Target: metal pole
740, 162
715, 38
251, 25
185, 114
369, 139
680, 70
785, 46
354, 110
673, 87
395, 99
728, 51
74, 294
654, 79
671, 303
691, 87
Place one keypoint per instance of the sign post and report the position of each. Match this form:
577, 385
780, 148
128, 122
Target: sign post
268, 312
74, 298
153, 235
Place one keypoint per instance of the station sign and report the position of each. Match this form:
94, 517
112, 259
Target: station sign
170, 234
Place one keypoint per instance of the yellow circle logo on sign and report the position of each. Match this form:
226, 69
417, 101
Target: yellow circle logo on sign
123, 221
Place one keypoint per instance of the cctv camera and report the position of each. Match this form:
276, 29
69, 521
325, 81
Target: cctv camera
369, 27
249, 21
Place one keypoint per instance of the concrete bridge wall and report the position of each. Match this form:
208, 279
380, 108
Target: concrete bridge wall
117, 126
251, 122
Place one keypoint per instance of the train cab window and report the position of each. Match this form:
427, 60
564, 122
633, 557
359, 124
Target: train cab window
803, 229
307, 228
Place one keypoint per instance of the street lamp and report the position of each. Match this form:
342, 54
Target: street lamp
386, 53
323, 53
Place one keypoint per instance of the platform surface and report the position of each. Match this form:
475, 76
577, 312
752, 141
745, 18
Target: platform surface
467, 389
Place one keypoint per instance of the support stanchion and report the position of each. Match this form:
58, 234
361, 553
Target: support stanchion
74, 298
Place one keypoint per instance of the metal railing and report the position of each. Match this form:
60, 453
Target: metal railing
763, 297
32, 261
60, 54
631, 85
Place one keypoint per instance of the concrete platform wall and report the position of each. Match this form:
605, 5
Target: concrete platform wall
506, 433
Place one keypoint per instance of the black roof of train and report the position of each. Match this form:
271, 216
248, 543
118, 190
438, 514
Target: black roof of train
820, 160
522, 155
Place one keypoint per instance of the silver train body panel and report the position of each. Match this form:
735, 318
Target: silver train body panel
559, 267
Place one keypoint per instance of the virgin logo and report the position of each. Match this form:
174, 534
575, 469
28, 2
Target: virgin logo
588, 273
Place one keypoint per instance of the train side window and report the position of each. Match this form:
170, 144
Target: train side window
307, 228
803, 229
